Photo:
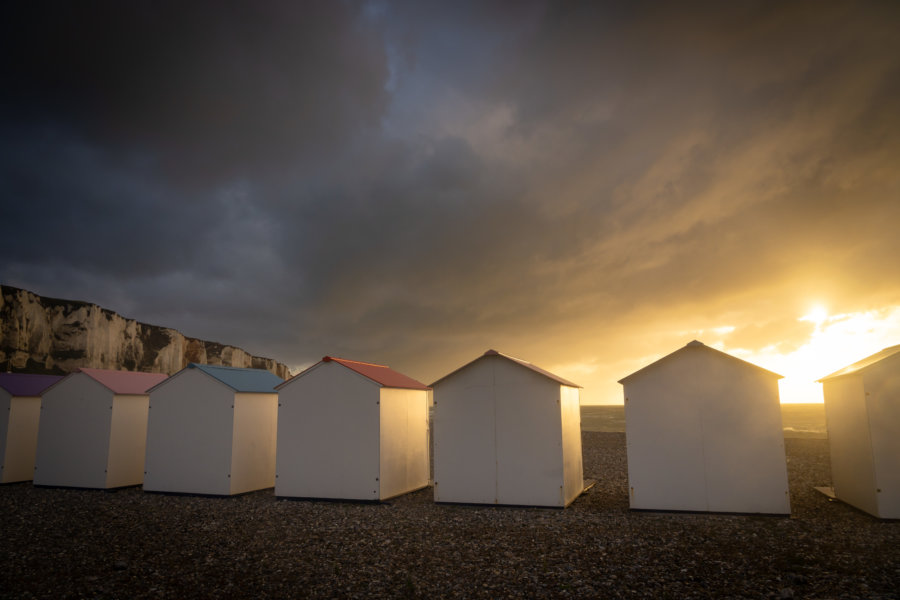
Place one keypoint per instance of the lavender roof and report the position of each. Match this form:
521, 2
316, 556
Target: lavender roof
25, 384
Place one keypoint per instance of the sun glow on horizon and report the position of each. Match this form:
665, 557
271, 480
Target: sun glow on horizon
818, 314
837, 341
832, 341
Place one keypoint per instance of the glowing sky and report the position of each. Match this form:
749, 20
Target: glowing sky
588, 186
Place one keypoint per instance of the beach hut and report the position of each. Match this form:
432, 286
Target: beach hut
862, 412
506, 432
351, 430
212, 431
20, 413
704, 433
93, 429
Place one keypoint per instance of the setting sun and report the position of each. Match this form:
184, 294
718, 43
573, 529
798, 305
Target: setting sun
837, 341
817, 314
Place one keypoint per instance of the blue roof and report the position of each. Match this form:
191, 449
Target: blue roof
242, 380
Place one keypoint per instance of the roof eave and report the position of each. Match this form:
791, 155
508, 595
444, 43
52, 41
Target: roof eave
701, 346
862, 365
518, 361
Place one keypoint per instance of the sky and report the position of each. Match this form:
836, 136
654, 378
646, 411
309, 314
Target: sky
585, 185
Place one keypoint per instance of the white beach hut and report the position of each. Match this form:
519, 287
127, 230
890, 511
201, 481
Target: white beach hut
704, 433
506, 432
862, 411
212, 431
20, 413
93, 429
351, 430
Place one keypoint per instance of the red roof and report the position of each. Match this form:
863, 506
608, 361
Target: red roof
518, 361
124, 382
380, 374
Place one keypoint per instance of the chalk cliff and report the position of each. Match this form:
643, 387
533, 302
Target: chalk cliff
47, 335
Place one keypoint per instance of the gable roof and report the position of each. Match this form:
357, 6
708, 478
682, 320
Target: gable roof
380, 374
26, 384
515, 360
240, 379
124, 382
862, 365
696, 346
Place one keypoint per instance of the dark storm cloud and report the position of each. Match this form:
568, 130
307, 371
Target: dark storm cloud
413, 182
666, 158
209, 88
136, 134
66, 194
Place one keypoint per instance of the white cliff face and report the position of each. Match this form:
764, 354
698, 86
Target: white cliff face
46, 335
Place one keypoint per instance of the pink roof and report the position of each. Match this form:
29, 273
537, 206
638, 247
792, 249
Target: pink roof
518, 361
380, 374
124, 382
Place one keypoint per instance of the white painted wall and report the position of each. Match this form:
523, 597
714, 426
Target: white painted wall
883, 386
74, 434
19, 419
573, 471
254, 443
128, 440
745, 407
403, 441
465, 452
328, 435
704, 433
528, 437
863, 417
499, 437
664, 441
850, 442
189, 435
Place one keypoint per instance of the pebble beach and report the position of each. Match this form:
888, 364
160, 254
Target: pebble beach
68, 543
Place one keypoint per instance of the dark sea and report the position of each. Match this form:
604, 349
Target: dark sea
799, 420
